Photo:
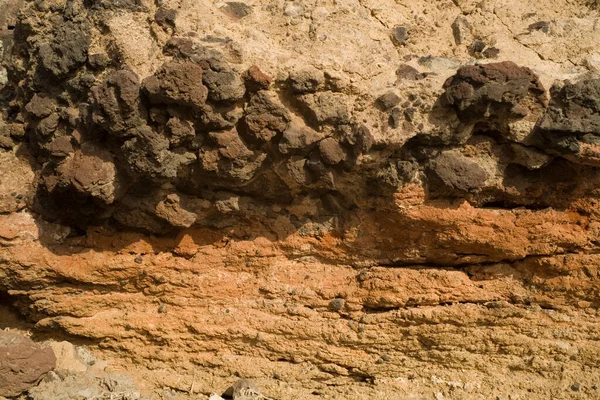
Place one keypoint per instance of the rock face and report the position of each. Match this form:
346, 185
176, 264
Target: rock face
22, 363
571, 127
358, 199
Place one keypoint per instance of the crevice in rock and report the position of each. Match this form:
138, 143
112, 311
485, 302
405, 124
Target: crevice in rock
10, 317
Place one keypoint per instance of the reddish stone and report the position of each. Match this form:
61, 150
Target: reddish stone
22, 363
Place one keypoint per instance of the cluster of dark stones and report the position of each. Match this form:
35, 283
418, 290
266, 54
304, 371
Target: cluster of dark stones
152, 153
571, 126
143, 152
483, 161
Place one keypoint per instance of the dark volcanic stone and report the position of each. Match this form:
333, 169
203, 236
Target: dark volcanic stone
461, 29
60, 147
47, 126
388, 100
177, 82
180, 131
574, 107
457, 172
576, 387
67, 49
41, 105
230, 158
181, 47
147, 155
129, 5
88, 182
165, 16
331, 151
571, 125
495, 95
99, 60
239, 389
266, 116
475, 87
396, 117
336, 304
491, 52
360, 139
256, 80
117, 105
223, 84
407, 72
543, 26
477, 47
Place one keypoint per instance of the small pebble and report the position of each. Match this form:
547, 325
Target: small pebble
575, 387
336, 304
407, 72
237, 9
491, 52
388, 100
399, 35
543, 26
138, 260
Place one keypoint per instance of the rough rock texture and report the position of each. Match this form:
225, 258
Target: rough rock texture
355, 199
58, 371
22, 363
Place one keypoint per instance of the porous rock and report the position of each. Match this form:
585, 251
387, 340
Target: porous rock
571, 125
177, 82
68, 48
496, 95
256, 80
265, 116
117, 105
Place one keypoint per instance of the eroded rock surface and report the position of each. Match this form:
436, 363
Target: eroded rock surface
356, 199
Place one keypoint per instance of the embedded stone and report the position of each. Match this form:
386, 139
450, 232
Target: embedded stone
22, 363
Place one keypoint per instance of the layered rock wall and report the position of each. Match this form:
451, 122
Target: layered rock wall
405, 208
